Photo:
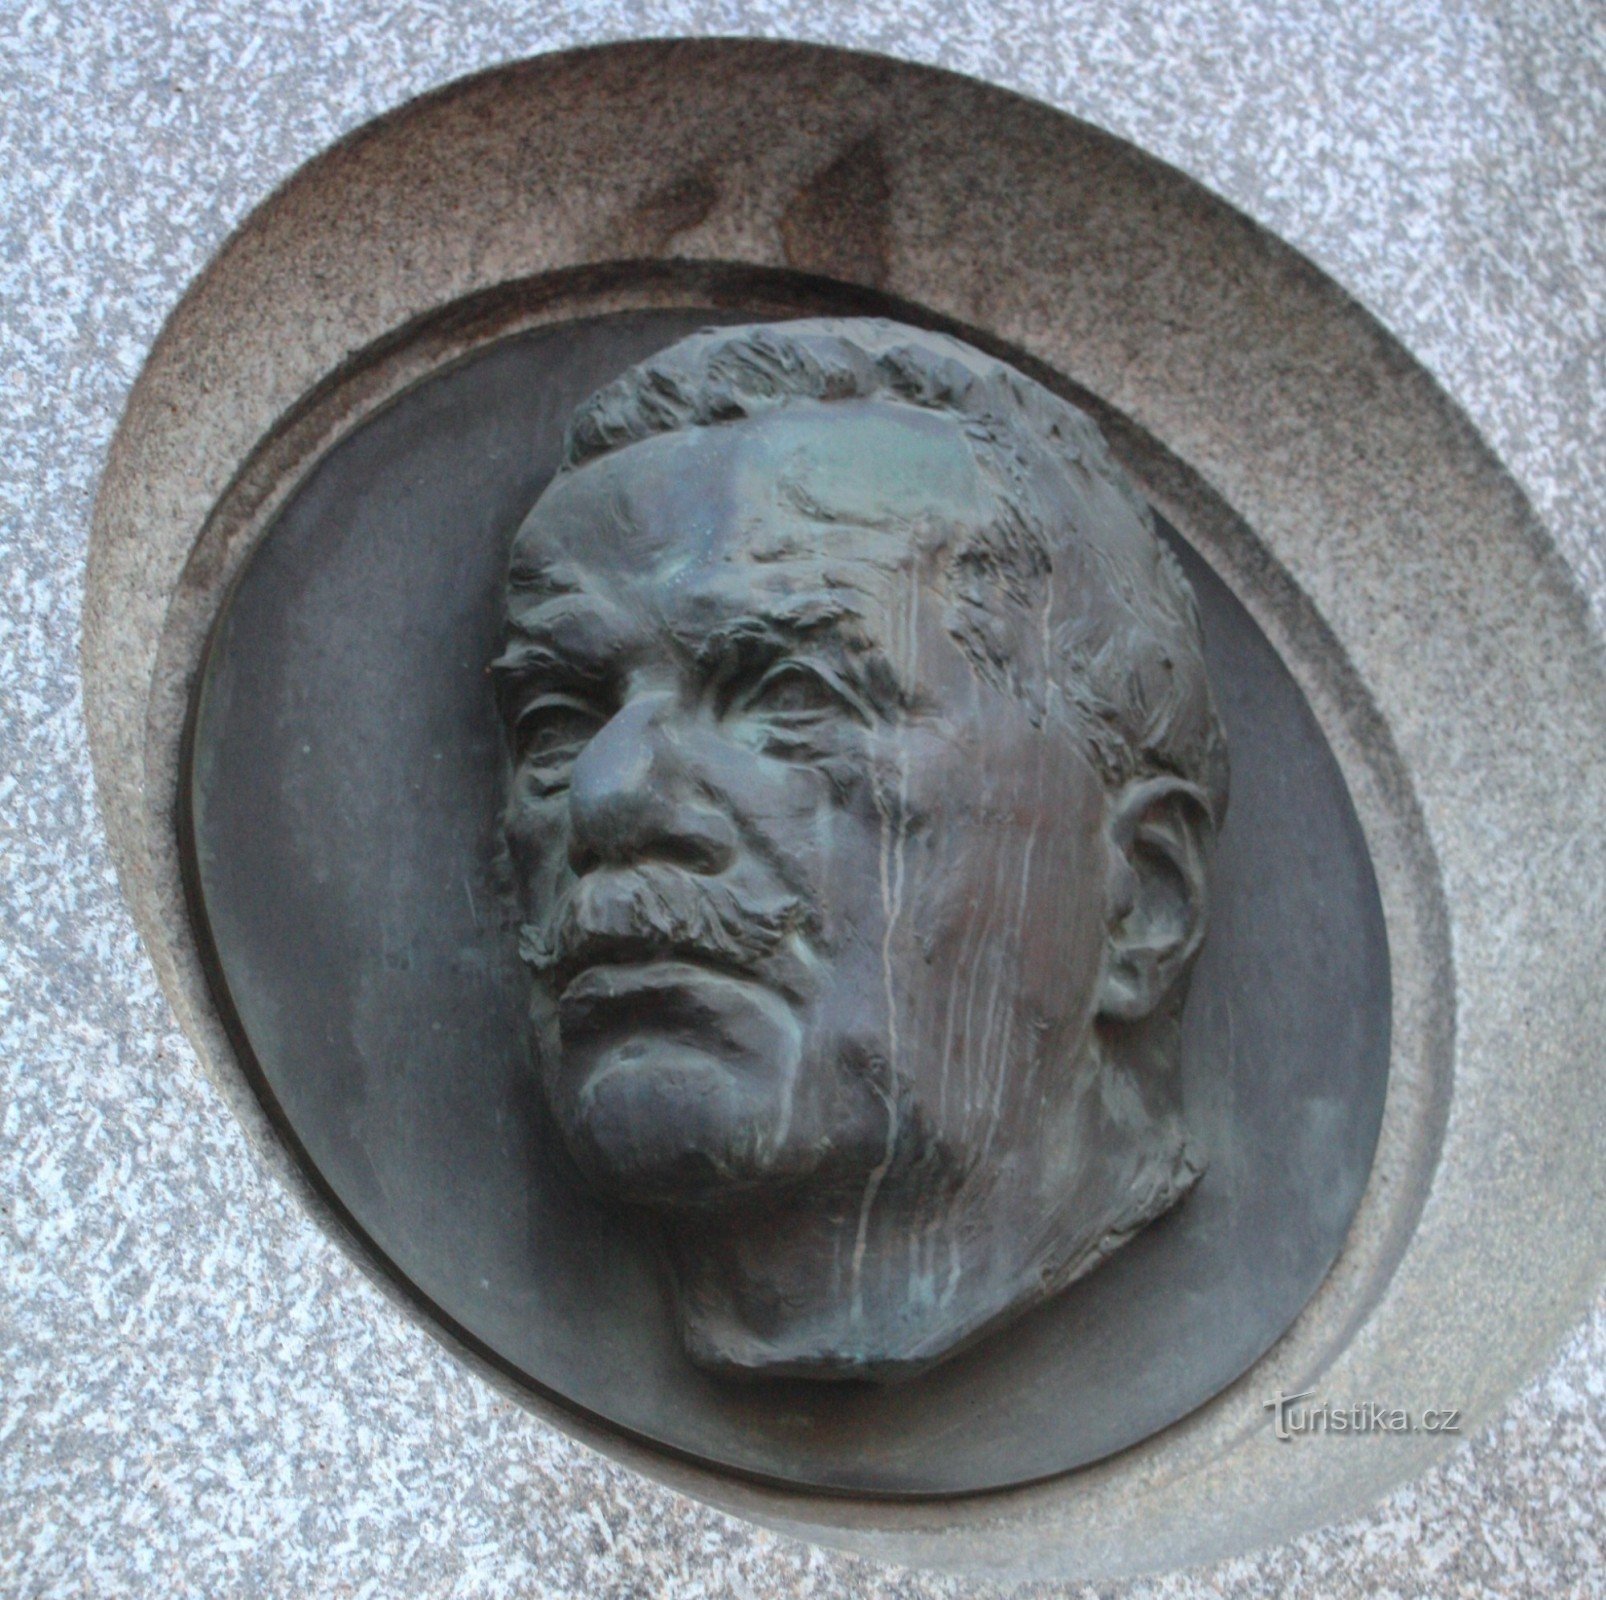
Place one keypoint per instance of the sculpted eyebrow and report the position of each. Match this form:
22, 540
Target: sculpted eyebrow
827, 625
552, 652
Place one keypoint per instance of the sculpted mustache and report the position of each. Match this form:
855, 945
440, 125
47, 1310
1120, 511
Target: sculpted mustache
661, 909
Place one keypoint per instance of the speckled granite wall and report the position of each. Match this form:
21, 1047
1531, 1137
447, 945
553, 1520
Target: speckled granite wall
176, 1411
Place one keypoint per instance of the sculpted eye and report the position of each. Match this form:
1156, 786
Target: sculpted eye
553, 730
793, 692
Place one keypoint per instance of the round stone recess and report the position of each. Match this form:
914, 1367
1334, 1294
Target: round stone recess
1449, 685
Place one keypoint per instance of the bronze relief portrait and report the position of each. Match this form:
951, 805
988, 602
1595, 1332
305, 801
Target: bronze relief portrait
863, 783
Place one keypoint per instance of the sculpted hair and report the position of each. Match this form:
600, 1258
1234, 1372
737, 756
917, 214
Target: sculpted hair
1069, 523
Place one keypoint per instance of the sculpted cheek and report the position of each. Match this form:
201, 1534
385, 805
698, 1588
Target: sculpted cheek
1003, 912
537, 840
1062, 866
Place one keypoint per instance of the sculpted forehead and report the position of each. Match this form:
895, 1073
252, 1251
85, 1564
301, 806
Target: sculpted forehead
868, 481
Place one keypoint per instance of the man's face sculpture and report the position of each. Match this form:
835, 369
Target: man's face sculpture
858, 918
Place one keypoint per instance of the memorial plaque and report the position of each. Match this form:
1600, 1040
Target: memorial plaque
715, 849
762, 710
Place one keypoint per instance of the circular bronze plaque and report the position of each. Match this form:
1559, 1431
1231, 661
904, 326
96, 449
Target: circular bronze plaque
341, 827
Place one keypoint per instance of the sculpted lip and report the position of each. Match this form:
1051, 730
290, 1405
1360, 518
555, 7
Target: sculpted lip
604, 966
610, 978
730, 1016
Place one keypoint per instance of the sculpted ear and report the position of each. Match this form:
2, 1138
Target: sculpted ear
1160, 835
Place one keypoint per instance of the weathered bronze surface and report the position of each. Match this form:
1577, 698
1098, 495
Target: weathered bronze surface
865, 779
347, 793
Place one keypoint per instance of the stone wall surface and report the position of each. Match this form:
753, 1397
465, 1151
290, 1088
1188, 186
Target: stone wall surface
200, 1392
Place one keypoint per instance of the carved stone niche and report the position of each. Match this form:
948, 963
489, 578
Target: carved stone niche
698, 689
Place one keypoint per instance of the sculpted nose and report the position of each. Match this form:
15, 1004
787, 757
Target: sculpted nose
632, 798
